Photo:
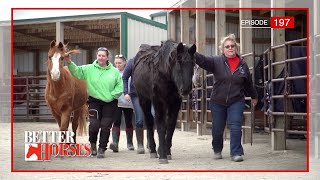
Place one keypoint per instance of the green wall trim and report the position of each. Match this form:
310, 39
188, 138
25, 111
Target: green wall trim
147, 21
124, 34
65, 17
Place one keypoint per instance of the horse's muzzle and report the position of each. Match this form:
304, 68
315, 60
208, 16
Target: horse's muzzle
55, 76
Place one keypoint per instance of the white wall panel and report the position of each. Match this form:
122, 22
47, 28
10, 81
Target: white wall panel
23, 62
5, 51
142, 33
161, 19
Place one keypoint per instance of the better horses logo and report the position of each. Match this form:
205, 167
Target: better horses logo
41, 145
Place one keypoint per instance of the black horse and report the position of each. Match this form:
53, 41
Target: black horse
161, 75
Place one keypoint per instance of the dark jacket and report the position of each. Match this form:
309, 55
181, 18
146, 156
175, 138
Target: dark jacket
127, 73
228, 87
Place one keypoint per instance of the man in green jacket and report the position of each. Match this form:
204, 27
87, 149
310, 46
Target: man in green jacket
104, 85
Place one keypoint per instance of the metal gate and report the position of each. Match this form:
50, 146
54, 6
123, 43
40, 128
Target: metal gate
28, 99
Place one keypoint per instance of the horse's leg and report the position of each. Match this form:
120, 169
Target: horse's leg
65, 119
146, 108
57, 117
174, 104
160, 113
75, 122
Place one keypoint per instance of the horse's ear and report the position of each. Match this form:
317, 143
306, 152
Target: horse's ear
180, 48
52, 44
193, 49
60, 45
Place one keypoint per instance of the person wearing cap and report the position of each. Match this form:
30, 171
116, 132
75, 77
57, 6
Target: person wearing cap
104, 86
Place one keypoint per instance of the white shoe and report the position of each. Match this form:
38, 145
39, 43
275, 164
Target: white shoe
237, 158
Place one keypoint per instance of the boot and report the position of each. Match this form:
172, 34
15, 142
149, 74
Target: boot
139, 134
93, 148
115, 139
129, 132
100, 153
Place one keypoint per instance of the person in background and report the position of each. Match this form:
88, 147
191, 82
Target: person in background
227, 101
125, 107
133, 96
104, 85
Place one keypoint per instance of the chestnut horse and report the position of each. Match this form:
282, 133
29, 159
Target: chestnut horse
64, 93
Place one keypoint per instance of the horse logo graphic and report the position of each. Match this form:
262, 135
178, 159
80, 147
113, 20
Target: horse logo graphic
33, 152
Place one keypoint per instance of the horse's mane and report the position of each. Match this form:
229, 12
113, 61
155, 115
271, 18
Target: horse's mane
73, 51
63, 48
166, 52
166, 49
160, 56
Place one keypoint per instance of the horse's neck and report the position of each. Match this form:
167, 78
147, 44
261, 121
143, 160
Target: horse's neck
60, 86
162, 65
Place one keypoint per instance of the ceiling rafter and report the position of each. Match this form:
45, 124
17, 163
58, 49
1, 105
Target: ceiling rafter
84, 34
83, 28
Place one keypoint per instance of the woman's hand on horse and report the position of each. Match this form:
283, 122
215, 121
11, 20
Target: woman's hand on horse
127, 97
67, 57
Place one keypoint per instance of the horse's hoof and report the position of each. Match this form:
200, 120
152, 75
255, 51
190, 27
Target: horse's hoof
153, 155
169, 157
163, 161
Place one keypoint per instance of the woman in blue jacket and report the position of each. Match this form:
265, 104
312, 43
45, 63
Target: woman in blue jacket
133, 96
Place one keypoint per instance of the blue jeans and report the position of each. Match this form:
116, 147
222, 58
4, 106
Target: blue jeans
138, 113
234, 115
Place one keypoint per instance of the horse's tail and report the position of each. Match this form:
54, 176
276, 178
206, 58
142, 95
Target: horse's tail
82, 124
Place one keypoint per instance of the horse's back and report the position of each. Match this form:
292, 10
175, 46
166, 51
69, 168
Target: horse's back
146, 53
143, 65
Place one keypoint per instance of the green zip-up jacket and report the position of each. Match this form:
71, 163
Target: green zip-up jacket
103, 83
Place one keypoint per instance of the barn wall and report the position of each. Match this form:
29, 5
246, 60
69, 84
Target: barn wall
230, 28
5, 51
23, 62
143, 33
160, 19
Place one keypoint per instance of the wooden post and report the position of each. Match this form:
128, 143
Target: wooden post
172, 25
36, 70
59, 32
200, 43
220, 31
184, 15
220, 24
246, 47
278, 139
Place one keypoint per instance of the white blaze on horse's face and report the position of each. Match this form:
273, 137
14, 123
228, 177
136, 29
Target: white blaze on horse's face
55, 72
